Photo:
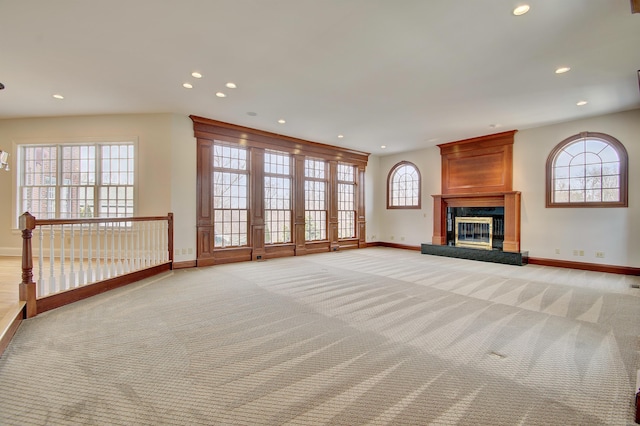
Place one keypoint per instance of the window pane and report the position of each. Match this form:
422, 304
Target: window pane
70, 173
404, 185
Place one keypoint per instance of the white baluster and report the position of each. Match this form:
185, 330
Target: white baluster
112, 270
154, 242
137, 245
52, 278
105, 272
98, 275
41, 284
89, 258
120, 265
127, 253
63, 277
72, 274
81, 276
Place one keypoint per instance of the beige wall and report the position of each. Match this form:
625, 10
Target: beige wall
157, 171
167, 182
614, 231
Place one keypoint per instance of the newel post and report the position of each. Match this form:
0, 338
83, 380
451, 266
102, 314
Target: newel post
170, 237
27, 289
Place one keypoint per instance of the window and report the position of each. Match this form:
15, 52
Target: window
230, 183
277, 197
69, 181
403, 187
587, 170
346, 201
315, 184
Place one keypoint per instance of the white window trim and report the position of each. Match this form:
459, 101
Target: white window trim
16, 167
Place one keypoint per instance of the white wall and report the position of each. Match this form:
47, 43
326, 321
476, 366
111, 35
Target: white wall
408, 227
167, 183
613, 231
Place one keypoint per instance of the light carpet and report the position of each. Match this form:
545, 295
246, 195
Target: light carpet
371, 336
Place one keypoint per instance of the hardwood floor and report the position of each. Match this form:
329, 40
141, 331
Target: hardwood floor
10, 277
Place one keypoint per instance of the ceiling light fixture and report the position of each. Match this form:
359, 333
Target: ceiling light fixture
562, 70
340, 136
231, 85
196, 74
187, 85
580, 103
383, 146
521, 10
58, 96
221, 95
281, 121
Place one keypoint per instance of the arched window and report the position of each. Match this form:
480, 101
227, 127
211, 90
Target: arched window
403, 186
587, 170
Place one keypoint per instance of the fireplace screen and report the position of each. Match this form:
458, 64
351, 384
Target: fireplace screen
474, 232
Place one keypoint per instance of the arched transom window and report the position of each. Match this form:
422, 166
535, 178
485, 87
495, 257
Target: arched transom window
587, 170
403, 186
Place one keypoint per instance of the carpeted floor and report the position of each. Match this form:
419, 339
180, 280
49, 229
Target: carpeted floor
371, 336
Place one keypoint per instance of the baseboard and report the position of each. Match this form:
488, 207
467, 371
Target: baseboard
9, 325
596, 267
184, 264
393, 245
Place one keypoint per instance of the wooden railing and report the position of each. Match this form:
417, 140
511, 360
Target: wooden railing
78, 258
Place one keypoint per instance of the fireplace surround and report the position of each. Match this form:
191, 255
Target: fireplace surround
477, 173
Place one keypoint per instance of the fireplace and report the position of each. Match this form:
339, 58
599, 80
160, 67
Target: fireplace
477, 181
474, 232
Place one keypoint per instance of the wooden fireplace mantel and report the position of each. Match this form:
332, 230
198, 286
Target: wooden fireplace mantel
510, 200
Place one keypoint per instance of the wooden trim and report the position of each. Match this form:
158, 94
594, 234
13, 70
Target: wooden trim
185, 264
635, 8
596, 267
511, 201
60, 299
208, 132
9, 324
208, 128
391, 173
482, 164
624, 175
394, 245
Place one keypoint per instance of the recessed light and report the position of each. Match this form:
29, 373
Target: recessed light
580, 103
383, 146
221, 95
196, 74
281, 121
562, 70
187, 85
57, 96
521, 10
231, 85
340, 136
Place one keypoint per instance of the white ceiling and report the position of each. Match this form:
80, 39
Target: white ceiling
402, 73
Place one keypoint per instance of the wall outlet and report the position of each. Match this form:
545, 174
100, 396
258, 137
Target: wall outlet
557, 251
581, 252
401, 238
184, 251
190, 250
575, 252
600, 254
